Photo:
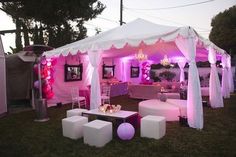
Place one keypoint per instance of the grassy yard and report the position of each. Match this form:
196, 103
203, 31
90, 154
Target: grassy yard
21, 136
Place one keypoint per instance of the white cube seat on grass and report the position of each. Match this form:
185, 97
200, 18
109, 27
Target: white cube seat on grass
97, 133
153, 126
75, 112
72, 127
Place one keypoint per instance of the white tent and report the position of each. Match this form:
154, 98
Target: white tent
3, 101
156, 40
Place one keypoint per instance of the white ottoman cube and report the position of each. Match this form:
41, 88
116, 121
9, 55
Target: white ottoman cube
97, 133
72, 127
75, 112
153, 126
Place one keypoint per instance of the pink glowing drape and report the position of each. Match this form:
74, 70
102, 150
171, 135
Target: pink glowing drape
230, 76
215, 95
95, 59
194, 101
225, 80
181, 64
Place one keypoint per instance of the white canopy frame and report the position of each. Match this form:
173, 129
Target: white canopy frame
185, 39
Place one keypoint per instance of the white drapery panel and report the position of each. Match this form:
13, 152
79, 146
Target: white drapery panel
225, 80
215, 95
95, 97
230, 76
194, 101
181, 64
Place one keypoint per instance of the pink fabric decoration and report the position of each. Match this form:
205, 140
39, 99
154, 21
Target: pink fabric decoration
44, 61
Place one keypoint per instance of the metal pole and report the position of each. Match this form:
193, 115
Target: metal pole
40, 81
32, 86
41, 105
121, 12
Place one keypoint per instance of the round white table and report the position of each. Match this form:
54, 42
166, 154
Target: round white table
171, 109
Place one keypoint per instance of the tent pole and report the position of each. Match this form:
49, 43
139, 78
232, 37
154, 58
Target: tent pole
121, 12
41, 105
39, 78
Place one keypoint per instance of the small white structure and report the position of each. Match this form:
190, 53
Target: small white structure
3, 97
72, 127
153, 126
97, 133
75, 112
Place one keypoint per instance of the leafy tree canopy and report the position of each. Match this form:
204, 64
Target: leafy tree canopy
223, 31
60, 21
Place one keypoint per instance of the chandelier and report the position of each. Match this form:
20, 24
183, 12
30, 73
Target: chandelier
140, 55
165, 61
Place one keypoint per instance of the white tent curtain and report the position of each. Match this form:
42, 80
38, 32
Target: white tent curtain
230, 76
95, 59
215, 95
3, 97
225, 80
181, 64
194, 101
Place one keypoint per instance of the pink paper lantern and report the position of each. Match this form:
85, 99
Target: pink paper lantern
125, 131
49, 95
54, 62
43, 61
49, 64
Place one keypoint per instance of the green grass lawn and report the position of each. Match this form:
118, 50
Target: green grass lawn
21, 136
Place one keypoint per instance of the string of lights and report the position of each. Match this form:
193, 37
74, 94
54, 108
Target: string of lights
171, 7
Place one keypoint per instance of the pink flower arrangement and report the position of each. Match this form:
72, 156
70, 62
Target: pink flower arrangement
107, 108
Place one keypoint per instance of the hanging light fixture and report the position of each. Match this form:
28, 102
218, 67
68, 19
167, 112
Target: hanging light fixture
140, 55
165, 61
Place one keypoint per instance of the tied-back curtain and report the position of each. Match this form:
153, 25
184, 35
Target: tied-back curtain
225, 80
181, 64
215, 95
194, 101
230, 76
95, 59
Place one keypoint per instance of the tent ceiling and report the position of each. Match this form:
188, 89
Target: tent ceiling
155, 52
132, 36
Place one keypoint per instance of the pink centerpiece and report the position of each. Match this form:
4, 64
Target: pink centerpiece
108, 108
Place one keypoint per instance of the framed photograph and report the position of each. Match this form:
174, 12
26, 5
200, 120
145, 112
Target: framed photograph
108, 71
73, 72
134, 72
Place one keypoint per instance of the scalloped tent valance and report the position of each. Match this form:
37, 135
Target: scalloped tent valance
132, 34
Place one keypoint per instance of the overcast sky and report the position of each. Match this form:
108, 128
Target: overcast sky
195, 13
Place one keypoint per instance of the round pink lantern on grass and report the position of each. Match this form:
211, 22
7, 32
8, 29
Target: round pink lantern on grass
125, 131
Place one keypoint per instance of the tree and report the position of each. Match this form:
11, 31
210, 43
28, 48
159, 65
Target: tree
61, 21
223, 31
